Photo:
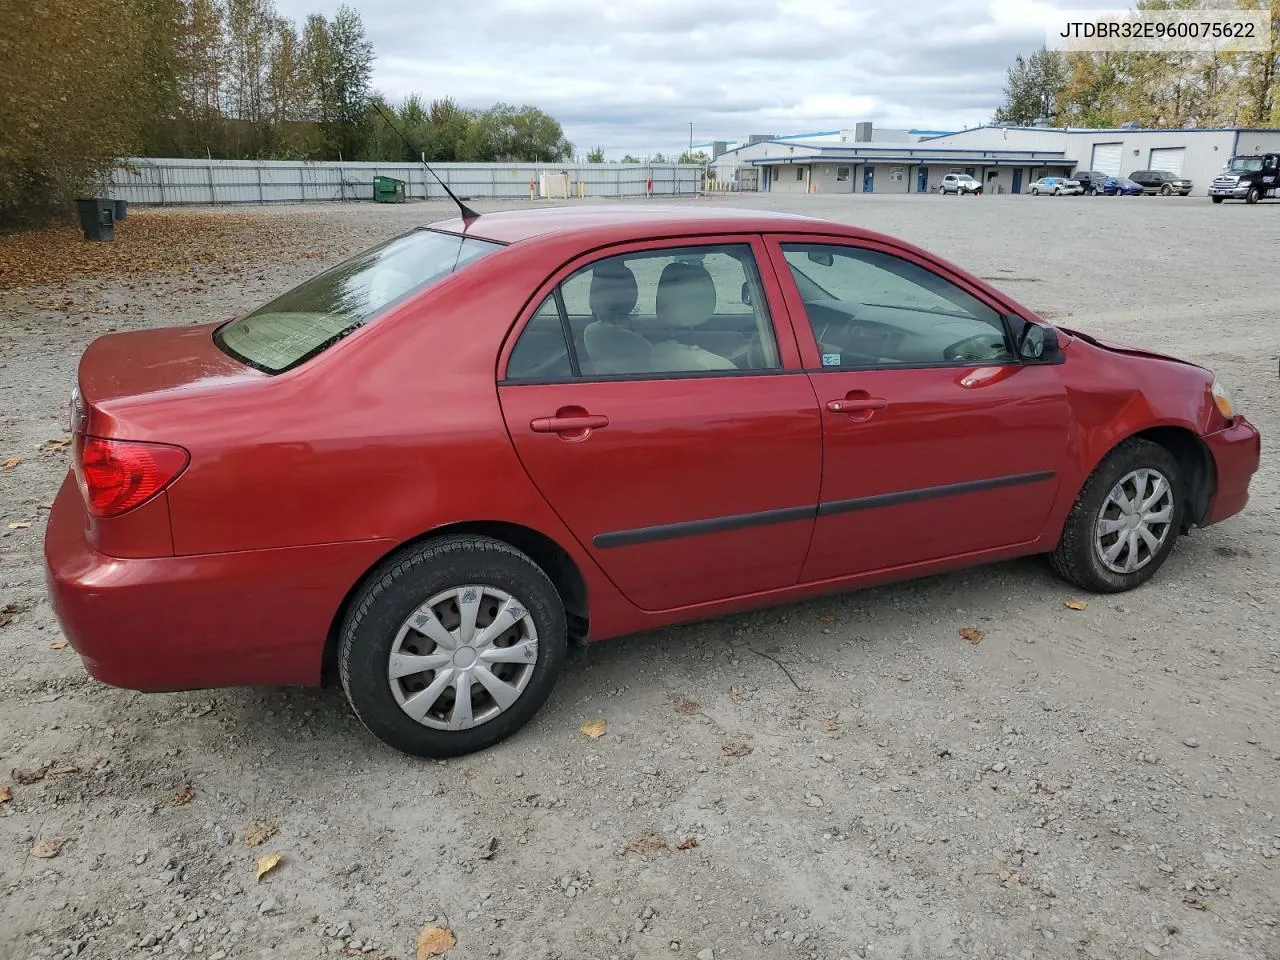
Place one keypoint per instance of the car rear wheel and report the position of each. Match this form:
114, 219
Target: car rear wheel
1125, 521
452, 646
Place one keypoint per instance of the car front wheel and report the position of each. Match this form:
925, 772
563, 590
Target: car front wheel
1252, 196
452, 646
1125, 521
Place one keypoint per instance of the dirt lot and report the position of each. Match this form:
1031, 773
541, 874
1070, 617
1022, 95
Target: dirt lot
1081, 783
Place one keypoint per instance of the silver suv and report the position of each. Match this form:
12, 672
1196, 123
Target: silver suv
959, 183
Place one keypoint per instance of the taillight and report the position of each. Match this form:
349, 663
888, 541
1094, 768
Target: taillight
118, 475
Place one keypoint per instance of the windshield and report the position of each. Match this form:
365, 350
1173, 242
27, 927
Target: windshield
299, 324
1245, 164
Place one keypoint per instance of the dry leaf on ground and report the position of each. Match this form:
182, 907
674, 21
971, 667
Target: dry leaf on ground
972, 634
57, 645
829, 724
827, 618
732, 748
182, 797
433, 941
647, 843
735, 691
1076, 604
595, 729
48, 847
687, 707
20, 525
6, 794
260, 833
11, 462
267, 863
60, 443
34, 775
688, 843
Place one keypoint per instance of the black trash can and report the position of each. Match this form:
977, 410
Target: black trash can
97, 218
122, 209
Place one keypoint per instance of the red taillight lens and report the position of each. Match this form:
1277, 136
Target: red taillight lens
118, 475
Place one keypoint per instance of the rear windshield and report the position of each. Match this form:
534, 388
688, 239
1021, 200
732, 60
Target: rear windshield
299, 324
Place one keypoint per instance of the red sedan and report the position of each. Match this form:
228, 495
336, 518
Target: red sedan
429, 470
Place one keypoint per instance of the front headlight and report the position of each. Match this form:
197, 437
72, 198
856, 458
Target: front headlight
1222, 397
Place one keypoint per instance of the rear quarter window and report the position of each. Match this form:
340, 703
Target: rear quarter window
299, 324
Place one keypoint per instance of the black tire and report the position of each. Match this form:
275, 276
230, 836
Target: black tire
396, 589
1166, 191
1217, 199
1076, 558
1253, 195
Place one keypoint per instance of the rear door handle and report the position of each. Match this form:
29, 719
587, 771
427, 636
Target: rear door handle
857, 406
577, 423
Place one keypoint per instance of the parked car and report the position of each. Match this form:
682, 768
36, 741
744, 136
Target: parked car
1161, 182
1091, 182
1056, 186
959, 184
1121, 186
428, 471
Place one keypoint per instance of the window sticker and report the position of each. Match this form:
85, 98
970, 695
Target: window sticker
831, 359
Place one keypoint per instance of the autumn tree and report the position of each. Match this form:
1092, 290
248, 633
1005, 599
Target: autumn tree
1032, 87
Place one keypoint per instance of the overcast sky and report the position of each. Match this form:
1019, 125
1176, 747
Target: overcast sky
631, 75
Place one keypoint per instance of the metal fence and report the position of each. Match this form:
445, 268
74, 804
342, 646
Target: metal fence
171, 181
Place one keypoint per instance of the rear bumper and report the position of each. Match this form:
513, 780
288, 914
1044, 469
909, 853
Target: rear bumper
1236, 451
185, 623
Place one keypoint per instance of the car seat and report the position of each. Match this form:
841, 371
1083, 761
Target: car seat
686, 300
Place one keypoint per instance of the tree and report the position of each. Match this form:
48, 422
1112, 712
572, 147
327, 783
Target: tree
504, 132
658, 158
630, 159
596, 155
1032, 88
694, 156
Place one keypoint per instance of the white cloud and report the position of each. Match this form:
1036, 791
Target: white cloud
632, 74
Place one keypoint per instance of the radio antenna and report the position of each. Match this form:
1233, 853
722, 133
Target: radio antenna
467, 213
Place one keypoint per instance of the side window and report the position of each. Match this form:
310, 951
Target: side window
871, 309
542, 352
683, 310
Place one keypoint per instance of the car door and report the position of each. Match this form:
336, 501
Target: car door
937, 441
666, 419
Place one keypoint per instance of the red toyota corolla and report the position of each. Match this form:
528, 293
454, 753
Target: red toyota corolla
432, 468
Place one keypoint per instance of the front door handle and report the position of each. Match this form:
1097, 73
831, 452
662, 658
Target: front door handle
571, 423
854, 405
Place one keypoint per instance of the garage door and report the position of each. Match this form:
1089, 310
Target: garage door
1168, 159
1107, 158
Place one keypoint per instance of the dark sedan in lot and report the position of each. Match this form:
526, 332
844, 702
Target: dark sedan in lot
1122, 187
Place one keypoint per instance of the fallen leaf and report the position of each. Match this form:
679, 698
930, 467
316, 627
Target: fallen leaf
433, 941
687, 707
489, 848
19, 526
260, 833
827, 618
647, 843
266, 864
32, 776
829, 724
1076, 604
735, 691
6, 794
63, 771
732, 748
11, 463
57, 645
48, 847
595, 729
688, 843
972, 634
58, 444
182, 797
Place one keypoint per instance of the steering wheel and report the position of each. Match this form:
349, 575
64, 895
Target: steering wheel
984, 346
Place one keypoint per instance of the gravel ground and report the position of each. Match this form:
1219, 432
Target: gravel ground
1081, 783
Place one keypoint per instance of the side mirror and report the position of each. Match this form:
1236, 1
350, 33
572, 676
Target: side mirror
746, 293
1039, 344
822, 257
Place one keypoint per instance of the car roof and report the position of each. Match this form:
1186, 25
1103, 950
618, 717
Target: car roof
639, 220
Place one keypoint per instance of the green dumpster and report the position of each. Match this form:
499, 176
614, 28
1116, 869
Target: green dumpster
388, 190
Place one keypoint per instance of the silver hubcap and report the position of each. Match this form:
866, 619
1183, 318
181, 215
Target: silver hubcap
1134, 521
463, 657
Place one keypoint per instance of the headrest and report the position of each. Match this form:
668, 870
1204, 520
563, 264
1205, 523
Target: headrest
686, 295
613, 290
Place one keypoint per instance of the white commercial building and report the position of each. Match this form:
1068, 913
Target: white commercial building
1004, 159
